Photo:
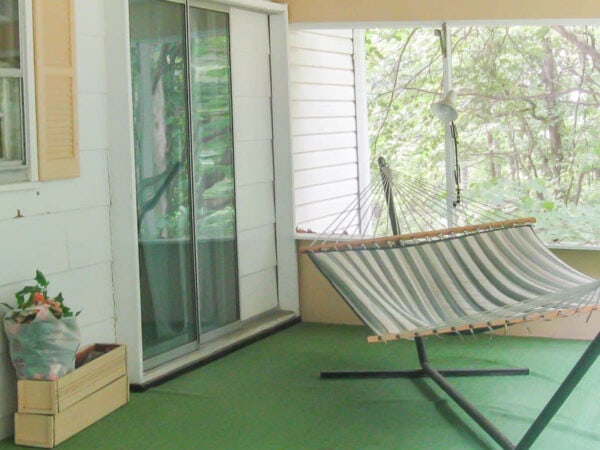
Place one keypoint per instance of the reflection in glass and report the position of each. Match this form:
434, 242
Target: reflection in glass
9, 35
11, 92
11, 121
160, 108
213, 168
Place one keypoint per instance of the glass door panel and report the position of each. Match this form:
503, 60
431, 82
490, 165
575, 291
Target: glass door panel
160, 114
213, 171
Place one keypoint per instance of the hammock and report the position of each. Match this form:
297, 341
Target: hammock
456, 279
483, 279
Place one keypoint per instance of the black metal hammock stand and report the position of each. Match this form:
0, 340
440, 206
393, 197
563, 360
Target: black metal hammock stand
422, 274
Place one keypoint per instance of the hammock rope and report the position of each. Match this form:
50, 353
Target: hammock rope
417, 206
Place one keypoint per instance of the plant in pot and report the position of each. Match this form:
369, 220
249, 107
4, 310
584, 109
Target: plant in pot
43, 335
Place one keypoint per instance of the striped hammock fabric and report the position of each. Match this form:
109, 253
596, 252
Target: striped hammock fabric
480, 280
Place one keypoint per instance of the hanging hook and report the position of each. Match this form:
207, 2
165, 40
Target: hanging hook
441, 34
457, 176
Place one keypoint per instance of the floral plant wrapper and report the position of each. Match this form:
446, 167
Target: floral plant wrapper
43, 349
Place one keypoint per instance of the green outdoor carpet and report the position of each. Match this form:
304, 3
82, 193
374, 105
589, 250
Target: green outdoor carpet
269, 396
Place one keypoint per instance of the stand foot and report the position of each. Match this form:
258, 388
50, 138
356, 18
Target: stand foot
419, 373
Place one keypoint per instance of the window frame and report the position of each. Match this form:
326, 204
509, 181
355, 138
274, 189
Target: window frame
12, 177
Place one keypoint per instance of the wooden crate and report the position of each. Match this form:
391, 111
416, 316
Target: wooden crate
53, 411
51, 397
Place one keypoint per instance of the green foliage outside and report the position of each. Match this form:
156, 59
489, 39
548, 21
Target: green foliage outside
528, 125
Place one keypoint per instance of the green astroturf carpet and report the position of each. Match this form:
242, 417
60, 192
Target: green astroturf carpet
268, 395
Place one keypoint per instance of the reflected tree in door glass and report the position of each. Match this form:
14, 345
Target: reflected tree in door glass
160, 115
214, 188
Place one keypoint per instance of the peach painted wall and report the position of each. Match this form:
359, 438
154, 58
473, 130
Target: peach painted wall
355, 11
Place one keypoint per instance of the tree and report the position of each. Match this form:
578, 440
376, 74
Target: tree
529, 112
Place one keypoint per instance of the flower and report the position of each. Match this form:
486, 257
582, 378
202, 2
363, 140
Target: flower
33, 302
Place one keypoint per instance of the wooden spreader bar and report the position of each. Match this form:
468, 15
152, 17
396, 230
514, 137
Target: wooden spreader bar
417, 236
490, 325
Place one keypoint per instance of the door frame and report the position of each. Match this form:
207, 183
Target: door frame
122, 173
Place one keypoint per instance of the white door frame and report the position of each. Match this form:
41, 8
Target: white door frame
122, 172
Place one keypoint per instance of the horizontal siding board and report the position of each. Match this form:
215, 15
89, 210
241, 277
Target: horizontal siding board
93, 124
92, 287
317, 58
311, 41
101, 331
323, 142
323, 125
325, 224
313, 160
253, 118
312, 194
45, 247
256, 250
324, 175
253, 162
306, 91
301, 109
89, 190
323, 209
88, 236
320, 75
91, 64
248, 23
258, 293
255, 206
252, 76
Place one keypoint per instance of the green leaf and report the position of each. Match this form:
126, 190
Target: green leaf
30, 289
20, 299
548, 205
41, 279
66, 312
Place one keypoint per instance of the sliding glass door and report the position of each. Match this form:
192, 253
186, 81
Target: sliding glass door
184, 174
214, 192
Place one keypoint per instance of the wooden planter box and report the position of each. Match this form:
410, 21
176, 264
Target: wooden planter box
50, 412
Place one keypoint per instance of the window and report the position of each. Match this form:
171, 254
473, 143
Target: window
13, 160
44, 139
527, 98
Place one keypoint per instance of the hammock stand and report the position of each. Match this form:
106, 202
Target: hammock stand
338, 263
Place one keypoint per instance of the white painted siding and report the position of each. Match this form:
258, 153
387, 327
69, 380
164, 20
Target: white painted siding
253, 138
65, 228
324, 125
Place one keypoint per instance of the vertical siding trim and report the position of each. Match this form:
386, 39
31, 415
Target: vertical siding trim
56, 88
362, 114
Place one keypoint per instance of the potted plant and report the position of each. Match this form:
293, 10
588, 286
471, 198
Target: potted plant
42, 332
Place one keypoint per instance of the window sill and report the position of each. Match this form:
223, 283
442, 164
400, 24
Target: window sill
321, 237
573, 247
20, 186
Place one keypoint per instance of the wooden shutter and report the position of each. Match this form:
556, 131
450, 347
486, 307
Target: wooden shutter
56, 88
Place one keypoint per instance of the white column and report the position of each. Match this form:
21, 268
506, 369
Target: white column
449, 140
